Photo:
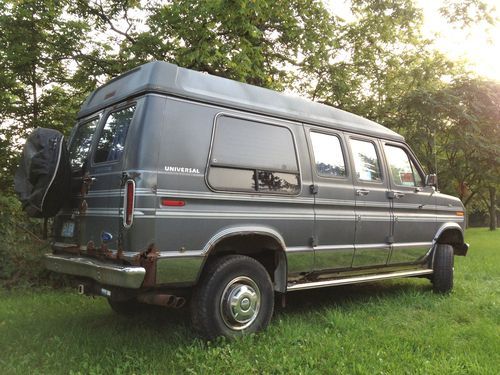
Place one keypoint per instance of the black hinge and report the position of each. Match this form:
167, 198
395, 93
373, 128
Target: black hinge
314, 241
314, 189
389, 239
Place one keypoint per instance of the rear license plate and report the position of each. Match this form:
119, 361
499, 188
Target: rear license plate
68, 229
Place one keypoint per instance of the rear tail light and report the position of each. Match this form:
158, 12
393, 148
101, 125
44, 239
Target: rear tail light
128, 203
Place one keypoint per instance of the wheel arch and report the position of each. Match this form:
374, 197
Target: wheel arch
452, 234
263, 244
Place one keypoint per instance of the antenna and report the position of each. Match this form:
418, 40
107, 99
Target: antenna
434, 149
434, 146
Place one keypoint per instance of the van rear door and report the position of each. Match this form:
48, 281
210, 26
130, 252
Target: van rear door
96, 153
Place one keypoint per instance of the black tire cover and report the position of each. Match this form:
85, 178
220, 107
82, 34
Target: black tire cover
43, 178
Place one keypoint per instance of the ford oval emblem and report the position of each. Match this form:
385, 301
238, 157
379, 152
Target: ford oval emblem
106, 236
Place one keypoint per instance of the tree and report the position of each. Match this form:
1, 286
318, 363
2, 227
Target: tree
37, 45
476, 119
259, 42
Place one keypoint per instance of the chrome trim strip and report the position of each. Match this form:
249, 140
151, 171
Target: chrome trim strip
234, 196
367, 246
334, 247
177, 254
222, 215
357, 280
335, 202
411, 244
448, 208
104, 273
178, 270
243, 230
336, 217
298, 249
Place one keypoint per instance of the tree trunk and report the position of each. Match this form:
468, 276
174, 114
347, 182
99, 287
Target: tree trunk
493, 208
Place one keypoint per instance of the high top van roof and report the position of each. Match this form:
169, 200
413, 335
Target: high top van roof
166, 78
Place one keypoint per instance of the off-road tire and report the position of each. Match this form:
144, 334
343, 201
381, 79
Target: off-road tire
442, 278
207, 312
128, 308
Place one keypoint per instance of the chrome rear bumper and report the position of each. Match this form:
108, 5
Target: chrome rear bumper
103, 272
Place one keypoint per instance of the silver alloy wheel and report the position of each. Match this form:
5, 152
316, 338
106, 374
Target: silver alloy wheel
240, 303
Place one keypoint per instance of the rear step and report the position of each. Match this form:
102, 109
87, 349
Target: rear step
357, 279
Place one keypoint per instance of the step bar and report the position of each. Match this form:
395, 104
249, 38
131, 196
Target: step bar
357, 279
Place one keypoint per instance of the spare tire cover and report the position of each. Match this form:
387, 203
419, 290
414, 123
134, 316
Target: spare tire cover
43, 178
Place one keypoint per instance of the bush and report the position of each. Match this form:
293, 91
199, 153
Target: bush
22, 248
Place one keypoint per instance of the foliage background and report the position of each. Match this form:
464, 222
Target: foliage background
377, 65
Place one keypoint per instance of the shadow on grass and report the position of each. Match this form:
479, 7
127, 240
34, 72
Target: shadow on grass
94, 324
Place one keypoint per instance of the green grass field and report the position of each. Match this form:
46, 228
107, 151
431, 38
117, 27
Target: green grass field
395, 327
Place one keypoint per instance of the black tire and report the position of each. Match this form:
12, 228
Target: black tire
239, 279
442, 278
128, 308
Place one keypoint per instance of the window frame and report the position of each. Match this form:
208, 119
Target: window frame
342, 149
96, 116
412, 158
380, 161
100, 129
264, 121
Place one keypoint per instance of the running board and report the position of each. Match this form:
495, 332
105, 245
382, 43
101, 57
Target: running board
357, 279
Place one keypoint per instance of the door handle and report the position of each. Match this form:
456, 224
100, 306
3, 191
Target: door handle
395, 194
89, 179
361, 192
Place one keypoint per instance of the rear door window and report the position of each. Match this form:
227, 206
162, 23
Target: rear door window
81, 142
328, 155
113, 135
366, 161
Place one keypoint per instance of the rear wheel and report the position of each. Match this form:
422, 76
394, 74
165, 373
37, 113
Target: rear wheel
442, 278
235, 296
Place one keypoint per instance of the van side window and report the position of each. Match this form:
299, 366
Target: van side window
81, 142
254, 157
112, 138
366, 161
402, 168
328, 155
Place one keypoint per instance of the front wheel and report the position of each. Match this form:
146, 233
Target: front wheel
235, 296
442, 278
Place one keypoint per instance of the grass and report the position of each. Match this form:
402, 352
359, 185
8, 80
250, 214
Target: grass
394, 327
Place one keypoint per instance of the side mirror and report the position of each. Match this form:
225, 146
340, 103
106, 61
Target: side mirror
431, 180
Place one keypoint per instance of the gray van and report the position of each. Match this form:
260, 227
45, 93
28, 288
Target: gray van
191, 187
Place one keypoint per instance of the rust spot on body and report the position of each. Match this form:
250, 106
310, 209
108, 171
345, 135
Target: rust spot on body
147, 259
91, 251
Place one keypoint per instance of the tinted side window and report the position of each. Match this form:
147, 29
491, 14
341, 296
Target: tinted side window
81, 142
112, 138
328, 155
403, 171
232, 179
366, 161
243, 143
253, 157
